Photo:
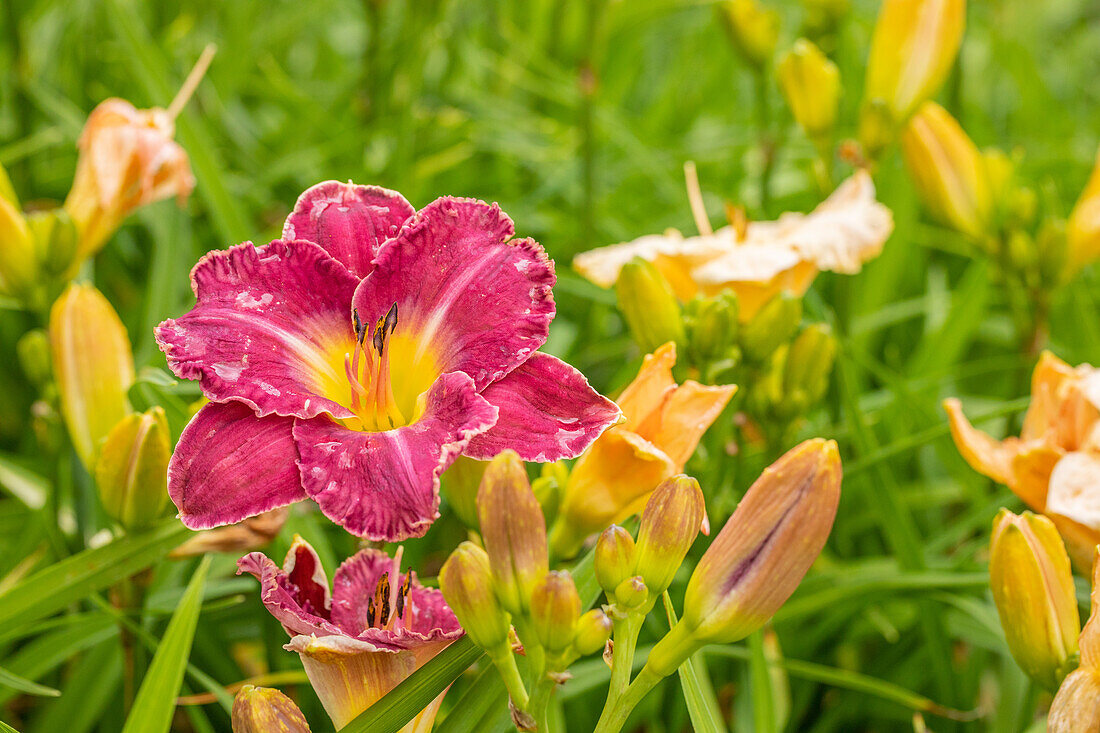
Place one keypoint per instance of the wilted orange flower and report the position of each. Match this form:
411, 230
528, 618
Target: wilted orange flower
1054, 465
762, 258
127, 159
1076, 707
663, 424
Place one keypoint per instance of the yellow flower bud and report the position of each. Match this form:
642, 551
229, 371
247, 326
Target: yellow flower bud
614, 561
593, 631
761, 554
810, 82
714, 327
670, 523
631, 593
912, 50
1032, 583
264, 710
1083, 228
949, 171
555, 608
459, 485
132, 471
467, 586
93, 367
56, 240
513, 529
18, 258
807, 368
752, 28
648, 305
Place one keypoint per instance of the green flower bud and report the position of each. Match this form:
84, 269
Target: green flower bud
7, 191
592, 633
614, 561
459, 485
264, 710
555, 608
132, 471
467, 585
775, 324
18, 258
648, 305
714, 328
808, 366
33, 349
55, 239
631, 593
513, 529
670, 522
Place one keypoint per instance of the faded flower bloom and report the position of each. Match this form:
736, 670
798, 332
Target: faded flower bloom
375, 628
249, 534
1076, 707
353, 360
127, 159
615, 477
761, 259
1032, 584
1054, 464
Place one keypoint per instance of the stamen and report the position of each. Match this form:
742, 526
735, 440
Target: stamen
402, 596
372, 613
382, 599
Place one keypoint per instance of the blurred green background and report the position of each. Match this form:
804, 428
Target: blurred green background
577, 118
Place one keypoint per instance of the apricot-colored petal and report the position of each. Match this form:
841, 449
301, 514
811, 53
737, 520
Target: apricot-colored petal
1030, 473
649, 390
985, 455
685, 415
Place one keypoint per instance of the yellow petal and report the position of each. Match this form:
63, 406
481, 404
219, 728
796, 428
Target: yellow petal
673, 255
1030, 474
756, 272
1083, 228
686, 415
649, 390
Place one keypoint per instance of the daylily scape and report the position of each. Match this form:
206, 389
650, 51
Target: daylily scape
353, 360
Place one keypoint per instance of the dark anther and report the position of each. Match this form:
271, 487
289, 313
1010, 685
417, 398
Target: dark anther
384, 327
402, 596
379, 337
360, 327
391, 319
382, 596
372, 613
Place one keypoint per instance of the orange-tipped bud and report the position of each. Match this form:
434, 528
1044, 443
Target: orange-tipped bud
513, 529
132, 471
761, 554
264, 710
555, 608
467, 586
1032, 583
670, 523
93, 367
614, 560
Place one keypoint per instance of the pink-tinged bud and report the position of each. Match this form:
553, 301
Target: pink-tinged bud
467, 587
513, 529
614, 561
1032, 584
93, 367
127, 159
555, 608
593, 631
264, 710
670, 524
1076, 707
913, 48
761, 554
132, 470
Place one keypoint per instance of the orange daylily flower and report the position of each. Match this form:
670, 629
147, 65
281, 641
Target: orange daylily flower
663, 423
1076, 707
128, 159
1054, 464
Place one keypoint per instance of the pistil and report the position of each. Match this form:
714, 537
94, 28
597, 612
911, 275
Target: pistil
372, 398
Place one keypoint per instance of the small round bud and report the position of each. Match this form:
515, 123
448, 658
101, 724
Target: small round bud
614, 560
593, 631
631, 593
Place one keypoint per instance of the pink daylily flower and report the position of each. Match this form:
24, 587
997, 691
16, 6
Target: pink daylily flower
359, 641
353, 360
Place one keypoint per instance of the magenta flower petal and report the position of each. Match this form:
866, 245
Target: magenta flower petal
385, 485
230, 465
351, 222
290, 596
547, 412
472, 298
267, 325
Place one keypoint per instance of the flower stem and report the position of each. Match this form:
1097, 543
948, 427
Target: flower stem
540, 702
505, 663
622, 660
614, 716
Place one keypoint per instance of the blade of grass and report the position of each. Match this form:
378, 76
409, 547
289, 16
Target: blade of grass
21, 684
52, 588
156, 700
706, 717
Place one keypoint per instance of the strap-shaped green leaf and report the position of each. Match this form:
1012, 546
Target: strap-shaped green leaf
156, 700
706, 716
14, 681
52, 588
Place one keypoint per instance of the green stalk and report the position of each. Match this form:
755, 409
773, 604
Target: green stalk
625, 634
505, 662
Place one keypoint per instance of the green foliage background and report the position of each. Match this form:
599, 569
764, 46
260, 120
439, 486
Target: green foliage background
482, 98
